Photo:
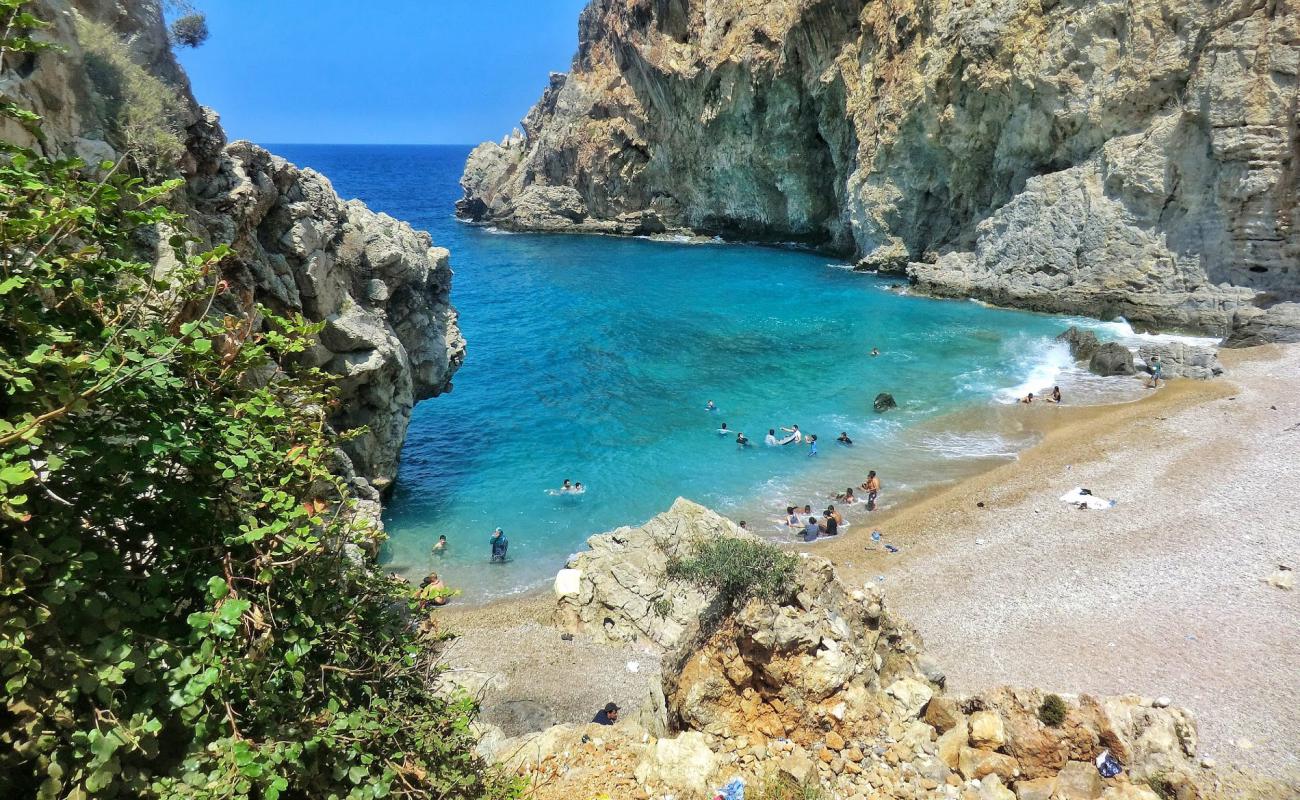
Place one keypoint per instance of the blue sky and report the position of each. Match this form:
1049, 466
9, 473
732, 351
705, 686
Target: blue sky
395, 71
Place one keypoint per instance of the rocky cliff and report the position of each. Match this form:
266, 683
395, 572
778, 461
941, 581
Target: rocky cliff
1111, 158
380, 288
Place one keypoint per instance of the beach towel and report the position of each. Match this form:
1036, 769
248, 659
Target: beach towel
1084, 498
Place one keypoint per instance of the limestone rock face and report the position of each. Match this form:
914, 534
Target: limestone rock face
381, 288
621, 590
1105, 158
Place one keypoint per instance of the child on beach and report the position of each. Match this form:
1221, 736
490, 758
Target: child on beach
872, 487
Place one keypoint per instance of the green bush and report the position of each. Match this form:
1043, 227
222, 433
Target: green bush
190, 30
737, 569
1052, 711
179, 614
140, 112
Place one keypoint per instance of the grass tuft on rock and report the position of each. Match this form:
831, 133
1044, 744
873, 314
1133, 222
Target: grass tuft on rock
737, 569
1052, 711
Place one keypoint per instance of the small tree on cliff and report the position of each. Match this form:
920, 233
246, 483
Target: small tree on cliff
179, 613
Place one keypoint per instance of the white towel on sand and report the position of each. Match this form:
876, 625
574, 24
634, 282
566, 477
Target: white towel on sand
1090, 501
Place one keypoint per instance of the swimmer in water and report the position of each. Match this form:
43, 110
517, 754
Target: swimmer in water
566, 486
1028, 399
710, 406
875, 351
844, 438
795, 436
578, 488
741, 441
723, 430
791, 518
847, 497
770, 439
812, 442
440, 546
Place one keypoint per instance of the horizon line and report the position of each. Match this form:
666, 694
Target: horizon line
367, 144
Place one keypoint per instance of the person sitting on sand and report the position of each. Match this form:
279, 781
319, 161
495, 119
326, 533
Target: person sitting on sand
432, 591
829, 526
1027, 399
811, 529
839, 518
607, 715
440, 546
847, 497
791, 519
812, 445
844, 438
742, 440
499, 545
872, 487
770, 439
1055, 397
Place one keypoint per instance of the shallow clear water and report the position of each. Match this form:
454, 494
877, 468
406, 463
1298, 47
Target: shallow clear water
592, 358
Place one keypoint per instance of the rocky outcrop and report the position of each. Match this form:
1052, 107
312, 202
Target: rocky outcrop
1135, 159
1112, 358
380, 288
822, 689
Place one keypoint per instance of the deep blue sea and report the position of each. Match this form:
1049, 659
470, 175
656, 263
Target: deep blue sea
592, 358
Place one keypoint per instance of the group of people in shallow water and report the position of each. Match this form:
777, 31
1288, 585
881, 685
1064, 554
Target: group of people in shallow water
830, 522
1054, 397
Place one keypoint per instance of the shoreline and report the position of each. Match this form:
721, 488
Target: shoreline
1096, 601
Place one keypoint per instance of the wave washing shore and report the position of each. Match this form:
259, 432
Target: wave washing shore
1163, 594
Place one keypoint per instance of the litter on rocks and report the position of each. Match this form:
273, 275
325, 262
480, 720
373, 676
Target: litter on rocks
734, 790
1107, 765
1084, 498
1282, 578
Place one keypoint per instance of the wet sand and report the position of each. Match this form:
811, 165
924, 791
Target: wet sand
1161, 595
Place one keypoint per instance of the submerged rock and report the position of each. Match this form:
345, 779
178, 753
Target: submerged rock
883, 402
1082, 343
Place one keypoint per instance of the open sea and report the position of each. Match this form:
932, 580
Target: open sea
592, 358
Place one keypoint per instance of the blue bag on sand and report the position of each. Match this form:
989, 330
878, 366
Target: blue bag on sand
734, 790
1108, 765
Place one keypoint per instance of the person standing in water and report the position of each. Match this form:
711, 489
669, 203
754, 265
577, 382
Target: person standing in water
872, 487
770, 439
440, 546
499, 545
742, 440
812, 442
1157, 371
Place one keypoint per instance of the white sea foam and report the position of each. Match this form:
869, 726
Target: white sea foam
970, 445
1121, 331
1043, 363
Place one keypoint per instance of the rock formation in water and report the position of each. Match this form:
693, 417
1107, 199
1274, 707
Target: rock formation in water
381, 288
1135, 159
824, 690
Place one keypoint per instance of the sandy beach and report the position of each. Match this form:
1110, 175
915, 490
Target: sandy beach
1164, 594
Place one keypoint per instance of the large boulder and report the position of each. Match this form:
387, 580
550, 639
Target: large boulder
684, 763
1182, 360
1112, 358
883, 402
1082, 343
617, 589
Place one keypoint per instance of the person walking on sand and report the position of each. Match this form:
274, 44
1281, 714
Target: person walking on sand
872, 487
1157, 371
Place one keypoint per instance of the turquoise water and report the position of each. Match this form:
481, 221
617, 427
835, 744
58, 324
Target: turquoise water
592, 359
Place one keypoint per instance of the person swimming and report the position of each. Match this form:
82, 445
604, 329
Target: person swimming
710, 406
723, 430
1028, 399
844, 438
742, 440
875, 351
440, 546
578, 488
566, 486
770, 439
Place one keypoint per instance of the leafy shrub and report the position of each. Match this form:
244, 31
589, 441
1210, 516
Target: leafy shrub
737, 569
190, 30
1052, 711
179, 615
1163, 787
139, 111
